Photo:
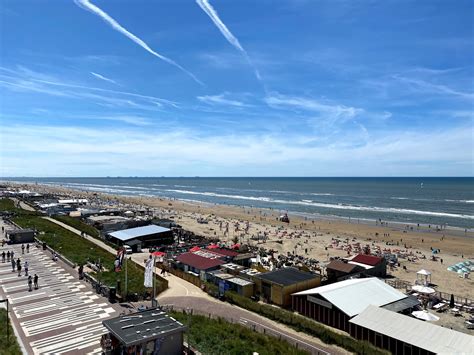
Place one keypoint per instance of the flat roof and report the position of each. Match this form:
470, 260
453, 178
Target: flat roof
416, 332
131, 233
287, 276
405, 303
141, 327
341, 266
354, 295
239, 281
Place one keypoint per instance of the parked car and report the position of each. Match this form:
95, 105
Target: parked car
128, 249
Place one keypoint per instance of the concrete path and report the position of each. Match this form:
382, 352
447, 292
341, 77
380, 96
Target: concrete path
63, 316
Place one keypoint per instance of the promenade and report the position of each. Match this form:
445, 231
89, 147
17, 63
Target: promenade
63, 316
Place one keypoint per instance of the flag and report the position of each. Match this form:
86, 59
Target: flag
148, 273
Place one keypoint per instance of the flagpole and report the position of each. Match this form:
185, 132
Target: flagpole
153, 301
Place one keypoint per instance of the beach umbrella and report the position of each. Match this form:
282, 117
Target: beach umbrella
423, 289
196, 248
425, 315
451, 301
158, 253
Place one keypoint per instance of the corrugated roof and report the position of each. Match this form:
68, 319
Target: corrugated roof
354, 295
367, 259
132, 233
199, 262
287, 276
416, 332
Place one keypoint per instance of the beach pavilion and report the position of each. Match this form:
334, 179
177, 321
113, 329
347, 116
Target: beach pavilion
335, 304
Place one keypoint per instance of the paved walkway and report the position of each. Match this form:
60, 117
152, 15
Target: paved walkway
64, 316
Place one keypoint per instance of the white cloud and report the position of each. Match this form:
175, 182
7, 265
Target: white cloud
87, 5
221, 100
101, 77
439, 89
212, 13
332, 113
26, 80
51, 150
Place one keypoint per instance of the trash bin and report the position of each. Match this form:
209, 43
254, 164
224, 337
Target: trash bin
112, 295
44, 245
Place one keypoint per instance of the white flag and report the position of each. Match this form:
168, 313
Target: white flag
148, 273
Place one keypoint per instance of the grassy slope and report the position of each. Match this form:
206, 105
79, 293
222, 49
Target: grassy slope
79, 225
211, 336
5, 346
80, 250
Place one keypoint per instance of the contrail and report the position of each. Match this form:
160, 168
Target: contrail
211, 12
101, 77
87, 5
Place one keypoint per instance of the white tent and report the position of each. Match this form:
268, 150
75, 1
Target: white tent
425, 315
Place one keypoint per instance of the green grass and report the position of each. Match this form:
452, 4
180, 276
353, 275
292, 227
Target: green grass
80, 250
7, 347
217, 336
79, 225
305, 325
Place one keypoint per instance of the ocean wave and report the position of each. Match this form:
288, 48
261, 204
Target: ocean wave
329, 205
399, 198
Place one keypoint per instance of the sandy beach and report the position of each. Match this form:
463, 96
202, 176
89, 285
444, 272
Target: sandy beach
318, 239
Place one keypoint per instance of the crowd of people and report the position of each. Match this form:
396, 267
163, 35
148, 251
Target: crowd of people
9, 257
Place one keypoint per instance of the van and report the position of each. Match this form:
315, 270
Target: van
128, 249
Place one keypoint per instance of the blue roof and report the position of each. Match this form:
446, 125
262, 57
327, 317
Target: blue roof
131, 233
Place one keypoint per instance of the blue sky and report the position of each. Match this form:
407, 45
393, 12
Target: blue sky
236, 88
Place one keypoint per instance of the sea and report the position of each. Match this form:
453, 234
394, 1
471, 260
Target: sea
446, 202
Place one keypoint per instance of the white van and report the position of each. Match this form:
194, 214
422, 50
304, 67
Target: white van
128, 249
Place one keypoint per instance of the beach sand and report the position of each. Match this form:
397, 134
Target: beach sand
321, 237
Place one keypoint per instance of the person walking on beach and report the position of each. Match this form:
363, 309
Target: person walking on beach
27, 248
23, 248
30, 282
35, 280
26, 268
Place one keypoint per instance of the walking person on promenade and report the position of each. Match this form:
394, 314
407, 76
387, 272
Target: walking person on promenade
12, 254
35, 280
8, 255
3, 256
13, 265
23, 248
30, 282
18, 267
26, 268
27, 248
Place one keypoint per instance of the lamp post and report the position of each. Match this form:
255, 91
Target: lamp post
153, 300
